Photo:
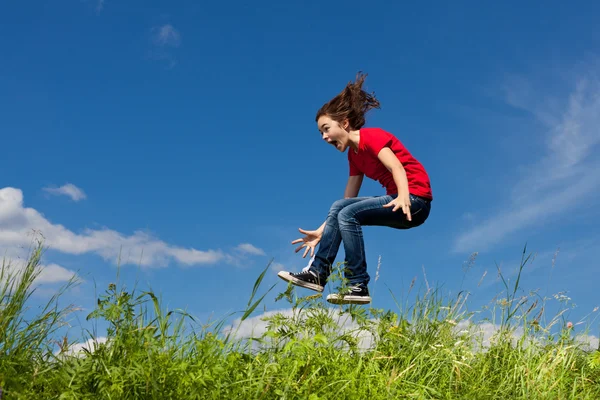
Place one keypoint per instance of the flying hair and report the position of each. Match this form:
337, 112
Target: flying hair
352, 103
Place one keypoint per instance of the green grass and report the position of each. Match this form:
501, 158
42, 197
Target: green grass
429, 349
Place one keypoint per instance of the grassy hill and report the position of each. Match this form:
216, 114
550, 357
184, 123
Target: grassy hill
432, 349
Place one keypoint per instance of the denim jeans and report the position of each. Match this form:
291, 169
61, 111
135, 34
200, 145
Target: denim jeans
343, 224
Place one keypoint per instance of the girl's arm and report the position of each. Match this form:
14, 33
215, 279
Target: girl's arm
391, 162
353, 186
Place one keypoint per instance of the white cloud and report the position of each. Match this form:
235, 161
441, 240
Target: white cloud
51, 273
45, 275
54, 273
17, 221
99, 5
70, 190
167, 35
77, 349
275, 266
588, 342
485, 334
250, 249
255, 327
567, 173
481, 334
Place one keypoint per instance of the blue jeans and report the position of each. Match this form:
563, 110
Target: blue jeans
344, 221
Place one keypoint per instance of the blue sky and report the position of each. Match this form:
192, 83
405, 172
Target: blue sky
187, 131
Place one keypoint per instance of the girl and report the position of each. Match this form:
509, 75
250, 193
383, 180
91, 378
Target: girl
380, 156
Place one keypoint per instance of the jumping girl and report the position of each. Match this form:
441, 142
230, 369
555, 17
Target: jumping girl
380, 156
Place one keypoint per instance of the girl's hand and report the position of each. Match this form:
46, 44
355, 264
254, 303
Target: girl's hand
310, 241
402, 202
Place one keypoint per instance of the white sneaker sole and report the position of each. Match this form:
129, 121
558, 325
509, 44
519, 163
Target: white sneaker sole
286, 276
348, 299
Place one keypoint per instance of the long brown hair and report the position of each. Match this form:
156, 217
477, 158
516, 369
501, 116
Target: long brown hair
351, 103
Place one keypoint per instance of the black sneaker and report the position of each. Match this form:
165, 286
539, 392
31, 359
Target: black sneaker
306, 279
357, 294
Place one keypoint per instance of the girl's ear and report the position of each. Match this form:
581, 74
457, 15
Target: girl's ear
346, 124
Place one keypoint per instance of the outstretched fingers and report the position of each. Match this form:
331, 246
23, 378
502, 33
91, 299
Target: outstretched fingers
309, 242
307, 248
306, 251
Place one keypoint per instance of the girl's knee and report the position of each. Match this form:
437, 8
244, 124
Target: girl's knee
346, 217
338, 204
336, 207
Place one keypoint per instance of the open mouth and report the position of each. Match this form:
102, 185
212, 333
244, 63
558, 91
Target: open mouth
335, 143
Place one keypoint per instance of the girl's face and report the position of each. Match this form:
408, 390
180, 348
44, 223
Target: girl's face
334, 133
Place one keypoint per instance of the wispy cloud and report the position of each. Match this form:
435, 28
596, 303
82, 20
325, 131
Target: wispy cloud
70, 190
567, 172
250, 249
99, 6
16, 221
165, 37
275, 266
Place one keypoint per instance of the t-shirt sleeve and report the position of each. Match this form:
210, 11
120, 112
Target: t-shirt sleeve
378, 139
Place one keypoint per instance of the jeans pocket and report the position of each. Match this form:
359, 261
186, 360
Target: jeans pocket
419, 210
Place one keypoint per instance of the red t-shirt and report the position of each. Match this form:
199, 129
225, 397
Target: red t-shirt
372, 140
